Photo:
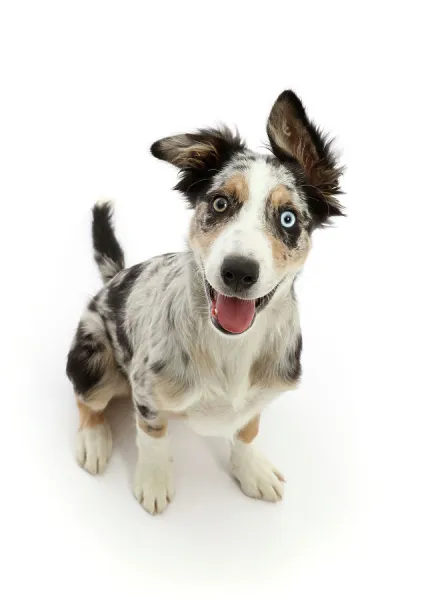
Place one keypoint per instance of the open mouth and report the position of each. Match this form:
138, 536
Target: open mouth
233, 315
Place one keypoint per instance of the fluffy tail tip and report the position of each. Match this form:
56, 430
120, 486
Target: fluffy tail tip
105, 203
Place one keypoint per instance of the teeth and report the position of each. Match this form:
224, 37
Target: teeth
215, 312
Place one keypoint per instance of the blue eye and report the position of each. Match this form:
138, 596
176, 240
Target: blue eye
288, 219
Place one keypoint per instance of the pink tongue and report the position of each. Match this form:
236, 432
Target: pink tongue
233, 314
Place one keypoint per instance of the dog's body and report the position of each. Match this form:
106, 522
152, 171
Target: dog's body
149, 331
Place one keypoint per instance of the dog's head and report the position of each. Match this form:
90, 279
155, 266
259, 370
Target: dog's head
254, 214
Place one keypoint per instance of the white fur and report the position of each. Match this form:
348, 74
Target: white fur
226, 401
153, 482
105, 201
257, 476
94, 447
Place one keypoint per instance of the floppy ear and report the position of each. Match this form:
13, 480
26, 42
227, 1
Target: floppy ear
198, 156
294, 138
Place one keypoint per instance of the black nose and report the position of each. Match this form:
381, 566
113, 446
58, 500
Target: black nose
239, 273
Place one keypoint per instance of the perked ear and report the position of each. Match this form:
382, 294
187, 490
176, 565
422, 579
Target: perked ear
293, 137
198, 156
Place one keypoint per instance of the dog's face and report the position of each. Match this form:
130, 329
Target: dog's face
253, 214
251, 229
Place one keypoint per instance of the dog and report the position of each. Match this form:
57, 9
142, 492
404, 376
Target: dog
210, 335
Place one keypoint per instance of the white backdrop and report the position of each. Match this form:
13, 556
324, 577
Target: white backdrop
86, 87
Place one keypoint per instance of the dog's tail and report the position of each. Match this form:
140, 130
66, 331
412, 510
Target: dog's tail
108, 253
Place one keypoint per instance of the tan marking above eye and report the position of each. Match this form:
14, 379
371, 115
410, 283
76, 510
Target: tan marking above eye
281, 196
237, 187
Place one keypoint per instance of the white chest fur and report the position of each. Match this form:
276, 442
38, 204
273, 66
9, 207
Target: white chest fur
224, 400
218, 415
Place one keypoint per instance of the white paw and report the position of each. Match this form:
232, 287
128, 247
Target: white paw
153, 486
257, 476
94, 447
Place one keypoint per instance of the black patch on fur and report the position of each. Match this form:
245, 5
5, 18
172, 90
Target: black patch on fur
185, 358
146, 412
104, 241
158, 366
116, 298
83, 369
145, 360
196, 177
293, 363
93, 305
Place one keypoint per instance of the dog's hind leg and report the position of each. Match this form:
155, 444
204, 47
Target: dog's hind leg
96, 378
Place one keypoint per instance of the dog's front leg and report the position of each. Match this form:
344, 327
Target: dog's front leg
257, 476
153, 481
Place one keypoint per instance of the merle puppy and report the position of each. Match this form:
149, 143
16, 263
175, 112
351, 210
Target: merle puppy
210, 335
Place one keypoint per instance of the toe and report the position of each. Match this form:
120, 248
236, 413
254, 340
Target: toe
279, 475
153, 491
258, 478
94, 446
269, 491
81, 451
